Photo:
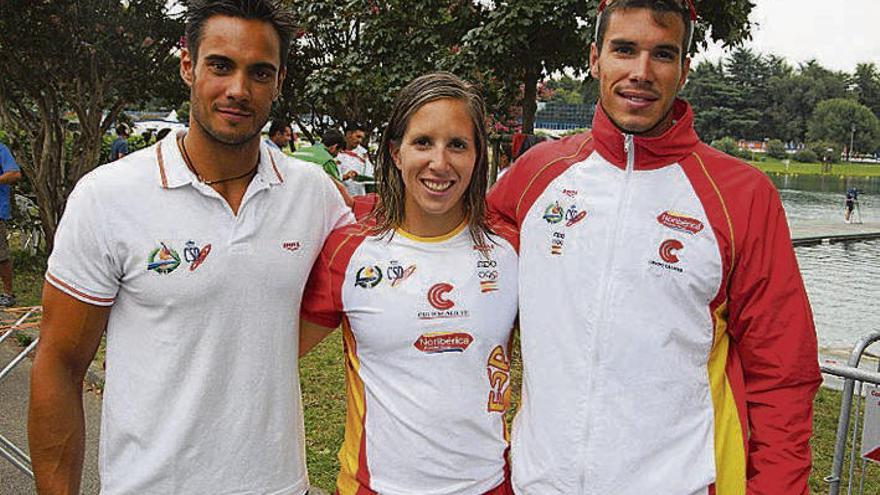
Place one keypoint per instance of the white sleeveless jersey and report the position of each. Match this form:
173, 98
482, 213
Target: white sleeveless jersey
426, 325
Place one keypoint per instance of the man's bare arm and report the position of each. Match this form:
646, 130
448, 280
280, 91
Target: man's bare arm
10, 177
69, 336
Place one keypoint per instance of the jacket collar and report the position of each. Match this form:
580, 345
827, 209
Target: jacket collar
650, 152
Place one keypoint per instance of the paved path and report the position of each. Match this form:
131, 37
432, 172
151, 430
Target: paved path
807, 233
13, 425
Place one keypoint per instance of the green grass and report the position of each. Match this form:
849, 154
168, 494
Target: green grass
323, 386
772, 165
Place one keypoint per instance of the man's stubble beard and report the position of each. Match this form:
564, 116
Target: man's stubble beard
197, 118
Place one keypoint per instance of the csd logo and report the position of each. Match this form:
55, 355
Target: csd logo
487, 264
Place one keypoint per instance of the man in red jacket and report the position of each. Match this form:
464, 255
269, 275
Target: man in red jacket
668, 344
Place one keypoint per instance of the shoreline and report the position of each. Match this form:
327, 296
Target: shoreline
841, 170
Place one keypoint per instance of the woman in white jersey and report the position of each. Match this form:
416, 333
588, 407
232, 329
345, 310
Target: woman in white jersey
425, 291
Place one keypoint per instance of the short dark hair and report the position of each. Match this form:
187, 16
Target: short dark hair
659, 9
333, 137
121, 130
354, 126
277, 127
271, 11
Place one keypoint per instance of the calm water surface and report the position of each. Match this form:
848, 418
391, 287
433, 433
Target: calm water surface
843, 280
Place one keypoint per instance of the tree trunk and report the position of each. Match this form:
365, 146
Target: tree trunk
530, 99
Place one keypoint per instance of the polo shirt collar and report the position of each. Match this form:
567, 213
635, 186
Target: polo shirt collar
172, 172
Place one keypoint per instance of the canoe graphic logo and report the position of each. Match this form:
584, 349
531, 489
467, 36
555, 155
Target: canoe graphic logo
573, 215
554, 213
669, 249
439, 342
437, 296
163, 259
397, 274
679, 222
368, 277
194, 255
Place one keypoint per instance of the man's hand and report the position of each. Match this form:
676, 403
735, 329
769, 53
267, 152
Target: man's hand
10, 177
351, 174
69, 336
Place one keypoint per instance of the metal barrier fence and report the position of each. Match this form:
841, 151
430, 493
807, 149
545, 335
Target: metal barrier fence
853, 385
9, 450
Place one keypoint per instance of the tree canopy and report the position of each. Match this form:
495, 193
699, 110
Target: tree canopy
69, 68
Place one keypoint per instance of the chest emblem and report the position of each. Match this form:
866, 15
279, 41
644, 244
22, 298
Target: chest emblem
680, 223
397, 274
669, 254
368, 277
554, 213
442, 304
194, 255
163, 259
291, 246
440, 342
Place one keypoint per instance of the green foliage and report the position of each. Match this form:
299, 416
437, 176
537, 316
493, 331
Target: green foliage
805, 156
751, 96
834, 121
69, 68
825, 151
726, 145
866, 86
183, 112
23, 339
776, 149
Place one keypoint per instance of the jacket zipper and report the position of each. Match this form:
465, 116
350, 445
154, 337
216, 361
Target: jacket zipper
629, 149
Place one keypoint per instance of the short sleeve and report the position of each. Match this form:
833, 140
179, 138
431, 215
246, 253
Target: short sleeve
320, 304
81, 264
7, 162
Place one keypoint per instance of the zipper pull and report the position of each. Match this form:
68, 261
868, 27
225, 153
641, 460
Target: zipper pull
629, 148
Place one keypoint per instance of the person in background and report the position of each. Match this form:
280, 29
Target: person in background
425, 289
280, 135
354, 161
668, 343
119, 148
9, 174
323, 153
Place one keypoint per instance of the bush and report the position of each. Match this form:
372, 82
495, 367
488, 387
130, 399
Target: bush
820, 148
775, 149
726, 145
806, 156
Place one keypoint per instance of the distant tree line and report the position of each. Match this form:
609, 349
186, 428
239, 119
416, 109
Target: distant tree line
758, 97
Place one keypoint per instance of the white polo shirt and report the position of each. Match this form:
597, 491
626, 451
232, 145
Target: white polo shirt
202, 392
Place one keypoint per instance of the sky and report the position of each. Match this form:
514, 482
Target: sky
839, 34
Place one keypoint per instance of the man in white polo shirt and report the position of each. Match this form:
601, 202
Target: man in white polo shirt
193, 254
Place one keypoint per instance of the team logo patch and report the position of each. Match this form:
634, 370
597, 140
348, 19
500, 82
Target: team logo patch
571, 193
397, 274
440, 342
194, 255
437, 296
668, 252
668, 249
681, 223
291, 246
488, 286
573, 216
557, 242
368, 277
498, 367
554, 213
163, 259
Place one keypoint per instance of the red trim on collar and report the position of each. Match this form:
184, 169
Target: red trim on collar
161, 163
274, 168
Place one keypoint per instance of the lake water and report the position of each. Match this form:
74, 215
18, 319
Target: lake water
842, 280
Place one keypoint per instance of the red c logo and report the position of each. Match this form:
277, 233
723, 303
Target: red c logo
435, 296
668, 250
